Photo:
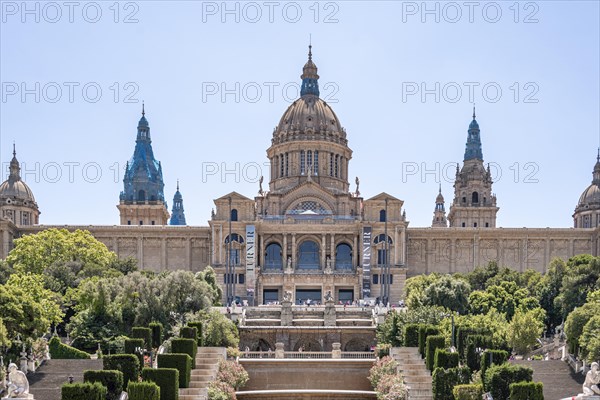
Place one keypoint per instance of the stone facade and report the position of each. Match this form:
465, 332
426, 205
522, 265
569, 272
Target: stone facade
308, 234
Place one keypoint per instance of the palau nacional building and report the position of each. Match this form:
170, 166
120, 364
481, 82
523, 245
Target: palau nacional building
308, 233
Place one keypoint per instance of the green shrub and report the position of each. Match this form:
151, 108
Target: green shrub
131, 345
473, 342
218, 390
432, 343
166, 378
143, 333
189, 332
185, 346
111, 379
526, 391
444, 380
461, 338
424, 331
232, 373
157, 334
83, 391
383, 349
143, 391
467, 392
445, 359
128, 364
411, 335
489, 357
60, 351
181, 362
498, 378
198, 326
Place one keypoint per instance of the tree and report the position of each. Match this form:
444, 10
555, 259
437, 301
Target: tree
21, 314
576, 321
4, 339
34, 253
450, 292
219, 330
525, 328
548, 290
479, 277
590, 339
581, 277
415, 289
390, 331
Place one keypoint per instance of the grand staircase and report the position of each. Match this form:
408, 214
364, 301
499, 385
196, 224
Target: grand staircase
46, 382
415, 373
557, 376
207, 365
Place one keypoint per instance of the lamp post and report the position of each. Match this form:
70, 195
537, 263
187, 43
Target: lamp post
228, 273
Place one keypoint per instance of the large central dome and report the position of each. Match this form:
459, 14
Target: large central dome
309, 143
309, 118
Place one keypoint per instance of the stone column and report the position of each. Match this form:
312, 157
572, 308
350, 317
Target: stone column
293, 250
355, 252
284, 249
163, 255
337, 350
279, 350
188, 253
286, 313
141, 251
323, 250
329, 317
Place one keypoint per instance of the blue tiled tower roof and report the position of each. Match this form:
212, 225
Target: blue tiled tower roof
473, 149
143, 180
177, 214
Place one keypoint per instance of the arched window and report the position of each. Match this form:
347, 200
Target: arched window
382, 216
309, 160
316, 163
273, 256
475, 198
308, 255
302, 162
141, 195
234, 238
381, 238
343, 256
234, 215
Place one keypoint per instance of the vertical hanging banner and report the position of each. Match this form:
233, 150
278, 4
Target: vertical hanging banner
250, 258
366, 262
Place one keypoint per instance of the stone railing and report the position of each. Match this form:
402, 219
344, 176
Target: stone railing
335, 354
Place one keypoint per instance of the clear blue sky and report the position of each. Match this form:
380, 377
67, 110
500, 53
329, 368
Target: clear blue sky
372, 56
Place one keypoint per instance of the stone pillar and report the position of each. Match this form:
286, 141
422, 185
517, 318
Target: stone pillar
163, 254
286, 313
293, 250
329, 317
284, 249
279, 350
355, 252
188, 253
337, 350
141, 251
323, 250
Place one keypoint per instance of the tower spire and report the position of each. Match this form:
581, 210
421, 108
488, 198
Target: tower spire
473, 147
143, 109
473, 110
310, 78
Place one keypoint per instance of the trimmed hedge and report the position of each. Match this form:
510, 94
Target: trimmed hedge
157, 334
167, 380
498, 378
474, 342
181, 362
143, 333
60, 351
468, 392
143, 391
128, 364
111, 379
185, 346
198, 326
445, 359
461, 338
444, 380
131, 345
498, 357
526, 391
411, 335
432, 344
424, 331
83, 391
189, 332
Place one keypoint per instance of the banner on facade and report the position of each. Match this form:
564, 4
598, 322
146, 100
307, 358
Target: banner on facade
250, 258
366, 262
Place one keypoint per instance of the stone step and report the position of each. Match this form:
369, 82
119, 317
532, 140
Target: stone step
204, 372
419, 385
418, 379
411, 373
